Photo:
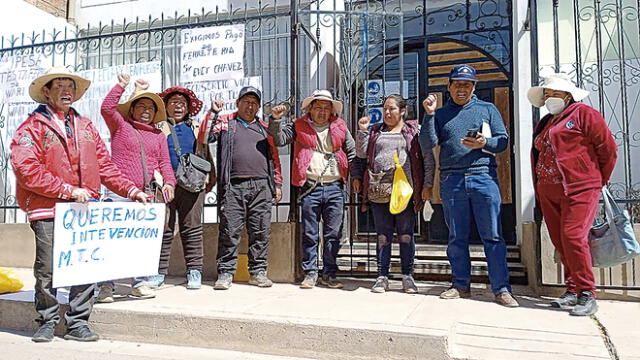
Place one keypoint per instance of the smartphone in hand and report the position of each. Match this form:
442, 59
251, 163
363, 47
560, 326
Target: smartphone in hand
472, 133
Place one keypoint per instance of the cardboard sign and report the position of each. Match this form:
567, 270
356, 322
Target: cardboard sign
102, 241
212, 53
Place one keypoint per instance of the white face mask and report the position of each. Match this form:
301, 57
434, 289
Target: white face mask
555, 105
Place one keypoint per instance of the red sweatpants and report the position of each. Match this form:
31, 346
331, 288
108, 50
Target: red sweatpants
569, 219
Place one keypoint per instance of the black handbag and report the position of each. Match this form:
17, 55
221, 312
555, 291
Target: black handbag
193, 170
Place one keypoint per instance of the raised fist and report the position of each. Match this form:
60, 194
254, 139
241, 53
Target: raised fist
363, 123
430, 104
278, 111
217, 105
123, 80
142, 84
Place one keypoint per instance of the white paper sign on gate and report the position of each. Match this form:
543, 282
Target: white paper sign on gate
226, 90
212, 53
102, 241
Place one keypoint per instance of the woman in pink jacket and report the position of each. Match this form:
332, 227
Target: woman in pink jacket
139, 150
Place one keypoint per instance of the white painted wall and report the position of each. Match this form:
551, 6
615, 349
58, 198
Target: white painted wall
95, 11
523, 120
21, 17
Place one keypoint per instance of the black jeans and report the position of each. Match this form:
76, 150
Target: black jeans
245, 201
189, 207
80, 297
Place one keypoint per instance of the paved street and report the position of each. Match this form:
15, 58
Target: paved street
18, 346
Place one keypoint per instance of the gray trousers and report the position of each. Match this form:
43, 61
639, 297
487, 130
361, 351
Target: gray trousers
80, 297
247, 201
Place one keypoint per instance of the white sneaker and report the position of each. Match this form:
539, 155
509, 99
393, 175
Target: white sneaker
143, 292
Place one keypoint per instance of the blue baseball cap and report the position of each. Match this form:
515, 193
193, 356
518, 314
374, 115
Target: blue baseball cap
463, 72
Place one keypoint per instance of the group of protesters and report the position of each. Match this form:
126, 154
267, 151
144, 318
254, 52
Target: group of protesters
58, 156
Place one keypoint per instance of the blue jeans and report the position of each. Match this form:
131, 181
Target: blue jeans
477, 195
326, 203
386, 224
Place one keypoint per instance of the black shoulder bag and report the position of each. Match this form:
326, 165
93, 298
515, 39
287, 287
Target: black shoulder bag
193, 170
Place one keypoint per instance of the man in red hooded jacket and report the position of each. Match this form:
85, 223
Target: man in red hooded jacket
58, 156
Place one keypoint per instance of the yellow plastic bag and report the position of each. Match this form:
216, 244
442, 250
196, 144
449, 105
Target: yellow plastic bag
402, 191
9, 281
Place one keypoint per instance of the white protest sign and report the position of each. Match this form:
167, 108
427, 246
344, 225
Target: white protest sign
104, 79
226, 90
102, 241
16, 74
212, 53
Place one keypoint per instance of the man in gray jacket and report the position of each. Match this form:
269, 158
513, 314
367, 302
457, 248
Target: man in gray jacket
322, 150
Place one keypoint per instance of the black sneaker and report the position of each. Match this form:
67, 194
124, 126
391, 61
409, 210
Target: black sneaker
586, 305
81, 333
567, 299
331, 282
44, 333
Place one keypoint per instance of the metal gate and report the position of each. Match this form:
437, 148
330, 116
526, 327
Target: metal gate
360, 50
597, 43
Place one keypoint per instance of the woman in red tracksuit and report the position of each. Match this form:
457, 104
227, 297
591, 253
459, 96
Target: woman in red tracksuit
573, 156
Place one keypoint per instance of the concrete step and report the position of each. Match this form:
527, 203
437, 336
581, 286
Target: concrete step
283, 320
352, 323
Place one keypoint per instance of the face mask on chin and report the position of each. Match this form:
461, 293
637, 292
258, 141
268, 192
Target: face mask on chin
555, 105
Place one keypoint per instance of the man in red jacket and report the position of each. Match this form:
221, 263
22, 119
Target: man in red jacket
58, 156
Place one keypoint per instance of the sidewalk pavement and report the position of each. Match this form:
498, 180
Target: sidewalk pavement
475, 328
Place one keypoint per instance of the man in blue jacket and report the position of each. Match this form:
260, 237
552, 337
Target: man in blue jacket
470, 132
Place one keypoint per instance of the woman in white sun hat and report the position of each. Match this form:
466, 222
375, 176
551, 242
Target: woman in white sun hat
573, 156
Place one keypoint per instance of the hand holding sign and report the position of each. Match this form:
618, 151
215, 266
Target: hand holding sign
123, 79
80, 195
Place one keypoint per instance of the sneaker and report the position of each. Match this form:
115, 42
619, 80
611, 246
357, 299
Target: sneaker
455, 293
44, 333
143, 292
310, 280
586, 305
194, 280
105, 294
505, 298
381, 285
567, 299
331, 282
260, 279
409, 285
155, 281
223, 282
82, 333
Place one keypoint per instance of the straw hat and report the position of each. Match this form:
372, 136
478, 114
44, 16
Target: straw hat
322, 95
556, 81
35, 89
161, 114
195, 104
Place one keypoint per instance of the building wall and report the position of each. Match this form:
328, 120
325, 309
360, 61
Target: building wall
94, 11
13, 21
56, 8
